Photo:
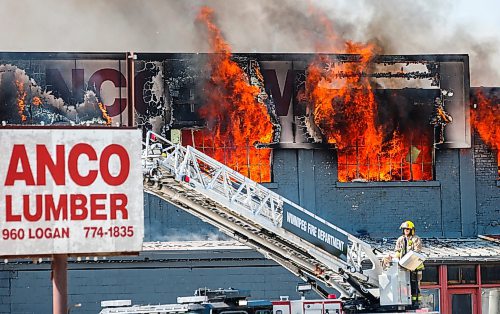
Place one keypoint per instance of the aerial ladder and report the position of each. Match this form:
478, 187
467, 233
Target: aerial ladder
308, 246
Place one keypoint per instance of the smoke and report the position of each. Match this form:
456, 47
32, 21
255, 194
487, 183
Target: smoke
430, 27
39, 106
158, 233
397, 27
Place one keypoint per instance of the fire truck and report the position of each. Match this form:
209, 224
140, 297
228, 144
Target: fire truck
231, 301
310, 247
226, 301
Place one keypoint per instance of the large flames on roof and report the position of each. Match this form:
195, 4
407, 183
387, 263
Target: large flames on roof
486, 119
343, 106
236, 120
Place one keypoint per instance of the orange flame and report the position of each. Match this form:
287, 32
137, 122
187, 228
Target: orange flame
443, 115
21, 96
105, 113
37, 101
345, 110
236, 120
486, 120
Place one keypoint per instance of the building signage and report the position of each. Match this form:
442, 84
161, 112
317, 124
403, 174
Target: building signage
314, 231
70, 191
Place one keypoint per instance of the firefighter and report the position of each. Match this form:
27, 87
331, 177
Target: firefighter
409, 241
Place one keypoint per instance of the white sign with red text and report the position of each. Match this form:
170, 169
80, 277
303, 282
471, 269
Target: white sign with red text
70, 191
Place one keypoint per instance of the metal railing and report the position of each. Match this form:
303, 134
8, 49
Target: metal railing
253, 203
252, 162
205, 173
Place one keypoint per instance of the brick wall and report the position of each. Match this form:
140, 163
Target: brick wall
375, 209
448, 174
309, 178
487, 188
5, 291
153, 281
31, 291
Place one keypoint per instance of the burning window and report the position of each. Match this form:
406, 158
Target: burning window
381, 134
400, 159
405, 152
242, 156
486, 119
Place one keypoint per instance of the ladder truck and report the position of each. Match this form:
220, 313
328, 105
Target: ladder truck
308, 246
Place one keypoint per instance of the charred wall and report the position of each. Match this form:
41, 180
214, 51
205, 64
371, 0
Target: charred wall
171, 88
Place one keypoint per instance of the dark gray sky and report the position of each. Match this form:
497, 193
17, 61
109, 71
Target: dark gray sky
398, 26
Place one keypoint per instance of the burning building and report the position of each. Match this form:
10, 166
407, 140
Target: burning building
381, 117
363, 141
382, 123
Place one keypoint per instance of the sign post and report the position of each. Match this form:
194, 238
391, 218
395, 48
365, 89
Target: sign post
131, 88
70, 191
59, 284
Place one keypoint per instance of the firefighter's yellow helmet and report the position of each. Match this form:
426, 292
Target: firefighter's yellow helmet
408, 225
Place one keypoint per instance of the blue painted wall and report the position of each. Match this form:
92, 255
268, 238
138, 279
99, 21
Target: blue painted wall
463, 201
159, 279
487, 189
